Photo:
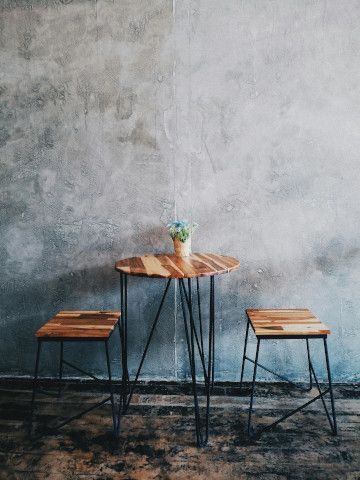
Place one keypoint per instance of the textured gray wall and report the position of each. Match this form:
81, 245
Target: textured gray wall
117, 116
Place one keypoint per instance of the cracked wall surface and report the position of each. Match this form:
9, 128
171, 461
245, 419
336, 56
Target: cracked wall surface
117, 116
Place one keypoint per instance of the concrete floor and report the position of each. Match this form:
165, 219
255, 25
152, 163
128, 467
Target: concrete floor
157, 439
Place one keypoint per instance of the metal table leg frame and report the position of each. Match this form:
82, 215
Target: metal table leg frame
191, 352
312, 374
191, 339
199, 343
126, 391
123, 343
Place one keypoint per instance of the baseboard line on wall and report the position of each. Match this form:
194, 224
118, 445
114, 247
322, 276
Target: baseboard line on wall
350, 390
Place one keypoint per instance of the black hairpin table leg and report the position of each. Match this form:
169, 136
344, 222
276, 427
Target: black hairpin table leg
127, 391
195, 344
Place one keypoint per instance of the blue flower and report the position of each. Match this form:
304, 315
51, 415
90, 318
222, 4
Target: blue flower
181, 229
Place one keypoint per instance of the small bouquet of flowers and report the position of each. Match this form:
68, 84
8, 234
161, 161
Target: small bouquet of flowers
180, 231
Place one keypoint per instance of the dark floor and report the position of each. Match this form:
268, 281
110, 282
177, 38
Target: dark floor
157, 439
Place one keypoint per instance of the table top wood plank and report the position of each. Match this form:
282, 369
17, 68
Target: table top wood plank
153, 267
208, 262
170, 266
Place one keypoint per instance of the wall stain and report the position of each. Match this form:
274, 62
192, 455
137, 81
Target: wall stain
46, 139
139, 136
124, 104
137, 28
4, 136
24, 47
84, 90
336, 257
40, 94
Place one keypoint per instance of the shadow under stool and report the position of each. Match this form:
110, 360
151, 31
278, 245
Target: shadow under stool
285, 324
74, 327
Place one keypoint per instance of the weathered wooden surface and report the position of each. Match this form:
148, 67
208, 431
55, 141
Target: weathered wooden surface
157, 440
170, 266
277, 322
71, 324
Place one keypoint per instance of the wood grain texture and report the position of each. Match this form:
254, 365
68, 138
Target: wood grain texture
80, 324
170, 266
278, 322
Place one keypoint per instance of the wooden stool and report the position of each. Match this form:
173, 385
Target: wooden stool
77, 326
284, 324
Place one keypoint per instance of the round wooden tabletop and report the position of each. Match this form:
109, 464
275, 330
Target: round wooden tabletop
170, 266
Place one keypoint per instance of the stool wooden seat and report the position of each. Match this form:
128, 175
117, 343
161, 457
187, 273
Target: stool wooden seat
285, 322
90, 325
288, 324
77, 326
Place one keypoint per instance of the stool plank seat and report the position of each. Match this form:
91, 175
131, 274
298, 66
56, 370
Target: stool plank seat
278, 322
98, 324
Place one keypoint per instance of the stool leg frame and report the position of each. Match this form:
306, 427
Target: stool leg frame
64, 362
111, 390
309, 363
282, 377
334, 426
312, 373
61, 367
244, 355
35, 380
253, 386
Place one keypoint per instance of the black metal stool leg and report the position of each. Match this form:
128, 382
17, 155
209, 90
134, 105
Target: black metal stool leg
61, 367
334, 427
34, 384
253, 385
111, 391
125, 371
309, 364
244, 355
120, 407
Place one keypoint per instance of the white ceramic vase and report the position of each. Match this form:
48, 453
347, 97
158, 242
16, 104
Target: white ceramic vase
182, 249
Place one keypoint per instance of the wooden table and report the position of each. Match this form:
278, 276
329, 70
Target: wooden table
170, 267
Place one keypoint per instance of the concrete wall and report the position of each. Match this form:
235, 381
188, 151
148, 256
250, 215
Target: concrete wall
118, 116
